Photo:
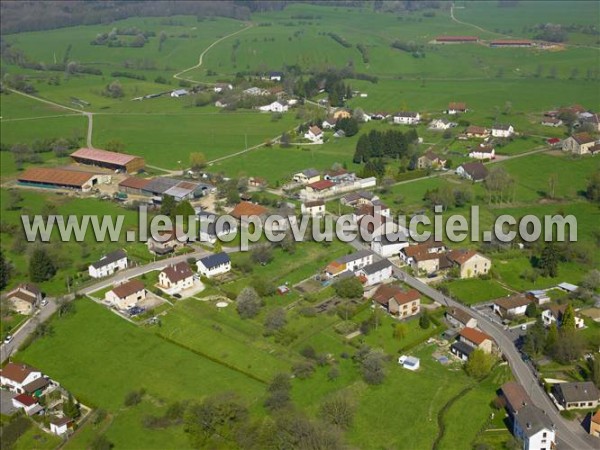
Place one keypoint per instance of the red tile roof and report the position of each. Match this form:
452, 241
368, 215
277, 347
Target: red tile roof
25, 399
459, 106
248, 209
461, 256
474, 335
511, 42
93, 154
596, 417
134, 183
178, 272
48, 175
16, 372
514, 301
321, 185
128, 288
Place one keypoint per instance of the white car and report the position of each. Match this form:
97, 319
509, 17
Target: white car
44, 302
8, 339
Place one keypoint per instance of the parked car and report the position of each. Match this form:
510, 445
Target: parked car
44, 302
8, 339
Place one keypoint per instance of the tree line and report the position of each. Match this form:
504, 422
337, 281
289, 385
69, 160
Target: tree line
378, 144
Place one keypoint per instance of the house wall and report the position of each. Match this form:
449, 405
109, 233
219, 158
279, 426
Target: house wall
378, 277
406, 310
223, 268
164, 281
427, 266
475, 266
359, 263
388, 250
18, 387
125, 302
21, 306
107, 270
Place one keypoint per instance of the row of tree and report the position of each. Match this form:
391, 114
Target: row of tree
390, 144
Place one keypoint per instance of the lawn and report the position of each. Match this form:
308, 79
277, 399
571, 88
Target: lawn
476, 290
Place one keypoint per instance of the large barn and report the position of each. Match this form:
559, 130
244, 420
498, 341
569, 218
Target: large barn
53, 178
109, 160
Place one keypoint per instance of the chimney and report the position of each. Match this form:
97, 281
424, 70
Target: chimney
528, 425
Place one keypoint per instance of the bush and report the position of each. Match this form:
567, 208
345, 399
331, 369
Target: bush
303, 370
134, 397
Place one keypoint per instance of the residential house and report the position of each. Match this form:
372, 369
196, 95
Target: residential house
214, 265
24, 298
60, 425
255, 91
457, 108
470, 263
329, 123
257, 182
166, 242
430, 160
375, 273
461, 350
179, 93
388, 245
483, 152
27, 403
441, 124
371, 210
314, 134
37, 386
502, 130
339, 176
108, 264
275, 76
221, 87
529, 423
349, 263
407, 118
474, 171
460, 318
213, 227
276, 106
408, 253
591, 118
307, 176
372, 226
473, 131
577, 395
554, 314
15, 376
176, 277
126, 295
595, 424
540, 297
512, 306
551, 122
396, 301
580, 143
245, 210
476, 339
315, 208
379, 116
359, 198
342, 114
429, 263
320, 187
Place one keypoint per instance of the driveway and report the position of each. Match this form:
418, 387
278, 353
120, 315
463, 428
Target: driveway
6, 406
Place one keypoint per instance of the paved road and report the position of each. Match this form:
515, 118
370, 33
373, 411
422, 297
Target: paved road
570, 434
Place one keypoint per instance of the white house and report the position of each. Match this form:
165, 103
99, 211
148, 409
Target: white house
275, 76
176, 277
179, 93
483, 152
24, 298
456, 108
383, 246
314, 134
502, 130
276, 106
375, 273
512, 306
441, 124
27, 403
16, 375
307, 176
314, 209
60, 425
349, 263
108, 264
212, 228
214, 265
474, 171
533, 426
126, 295
554, 314
407, 118
328, 124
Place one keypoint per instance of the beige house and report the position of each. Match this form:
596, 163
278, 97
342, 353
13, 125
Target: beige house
476, 339
24, 298
127, 294
314, 209
470, 263
580, 144
177, 277
595, 424
397, 302
307, 176
430, 160
166, 243
460, 318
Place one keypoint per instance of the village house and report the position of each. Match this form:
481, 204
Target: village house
529, 423
213, 265
60, 425
430, 160
329, 123
512, 306
243, 211
470, 263
379, 116
460, 318
176, 278
307, 176
554, 314
399, 303
275, 76
276, 106
502, 130
476, 339
339, 176
24, 298
166, 242
314, 134
320, 187
595, 424
540, 297
474, 171
577, 395
580, 144
473, 131
551, 122
408, 253
483, 152
108, 264
342, 114
375, 273
590, 118
359, 198
371, 210
407, 118
126, 295
221, 87
257, 182
315, 208
373, 226
349, 263
179, 93
457, 108
15, 376
27, 403
441, 124
211, 228
430, 263
461, 350
386, 247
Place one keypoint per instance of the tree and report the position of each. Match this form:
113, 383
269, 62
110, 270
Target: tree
333, 373
592, 191
424, 320
479, 364
551, 338
568, 319
549, 260
349, 288
100, 442
279, 392
115, 145
372, 364
69, 408
303, 369
285, 140
185, 210
552, 181
14, 200
248, 303
41, 267
399, 331
162, 37
337, 410
113, 90
167, 205
595, 370
262, 254
348, 124
197, 161
591, 280
568, 348
531, 310
5, 270
275, 320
